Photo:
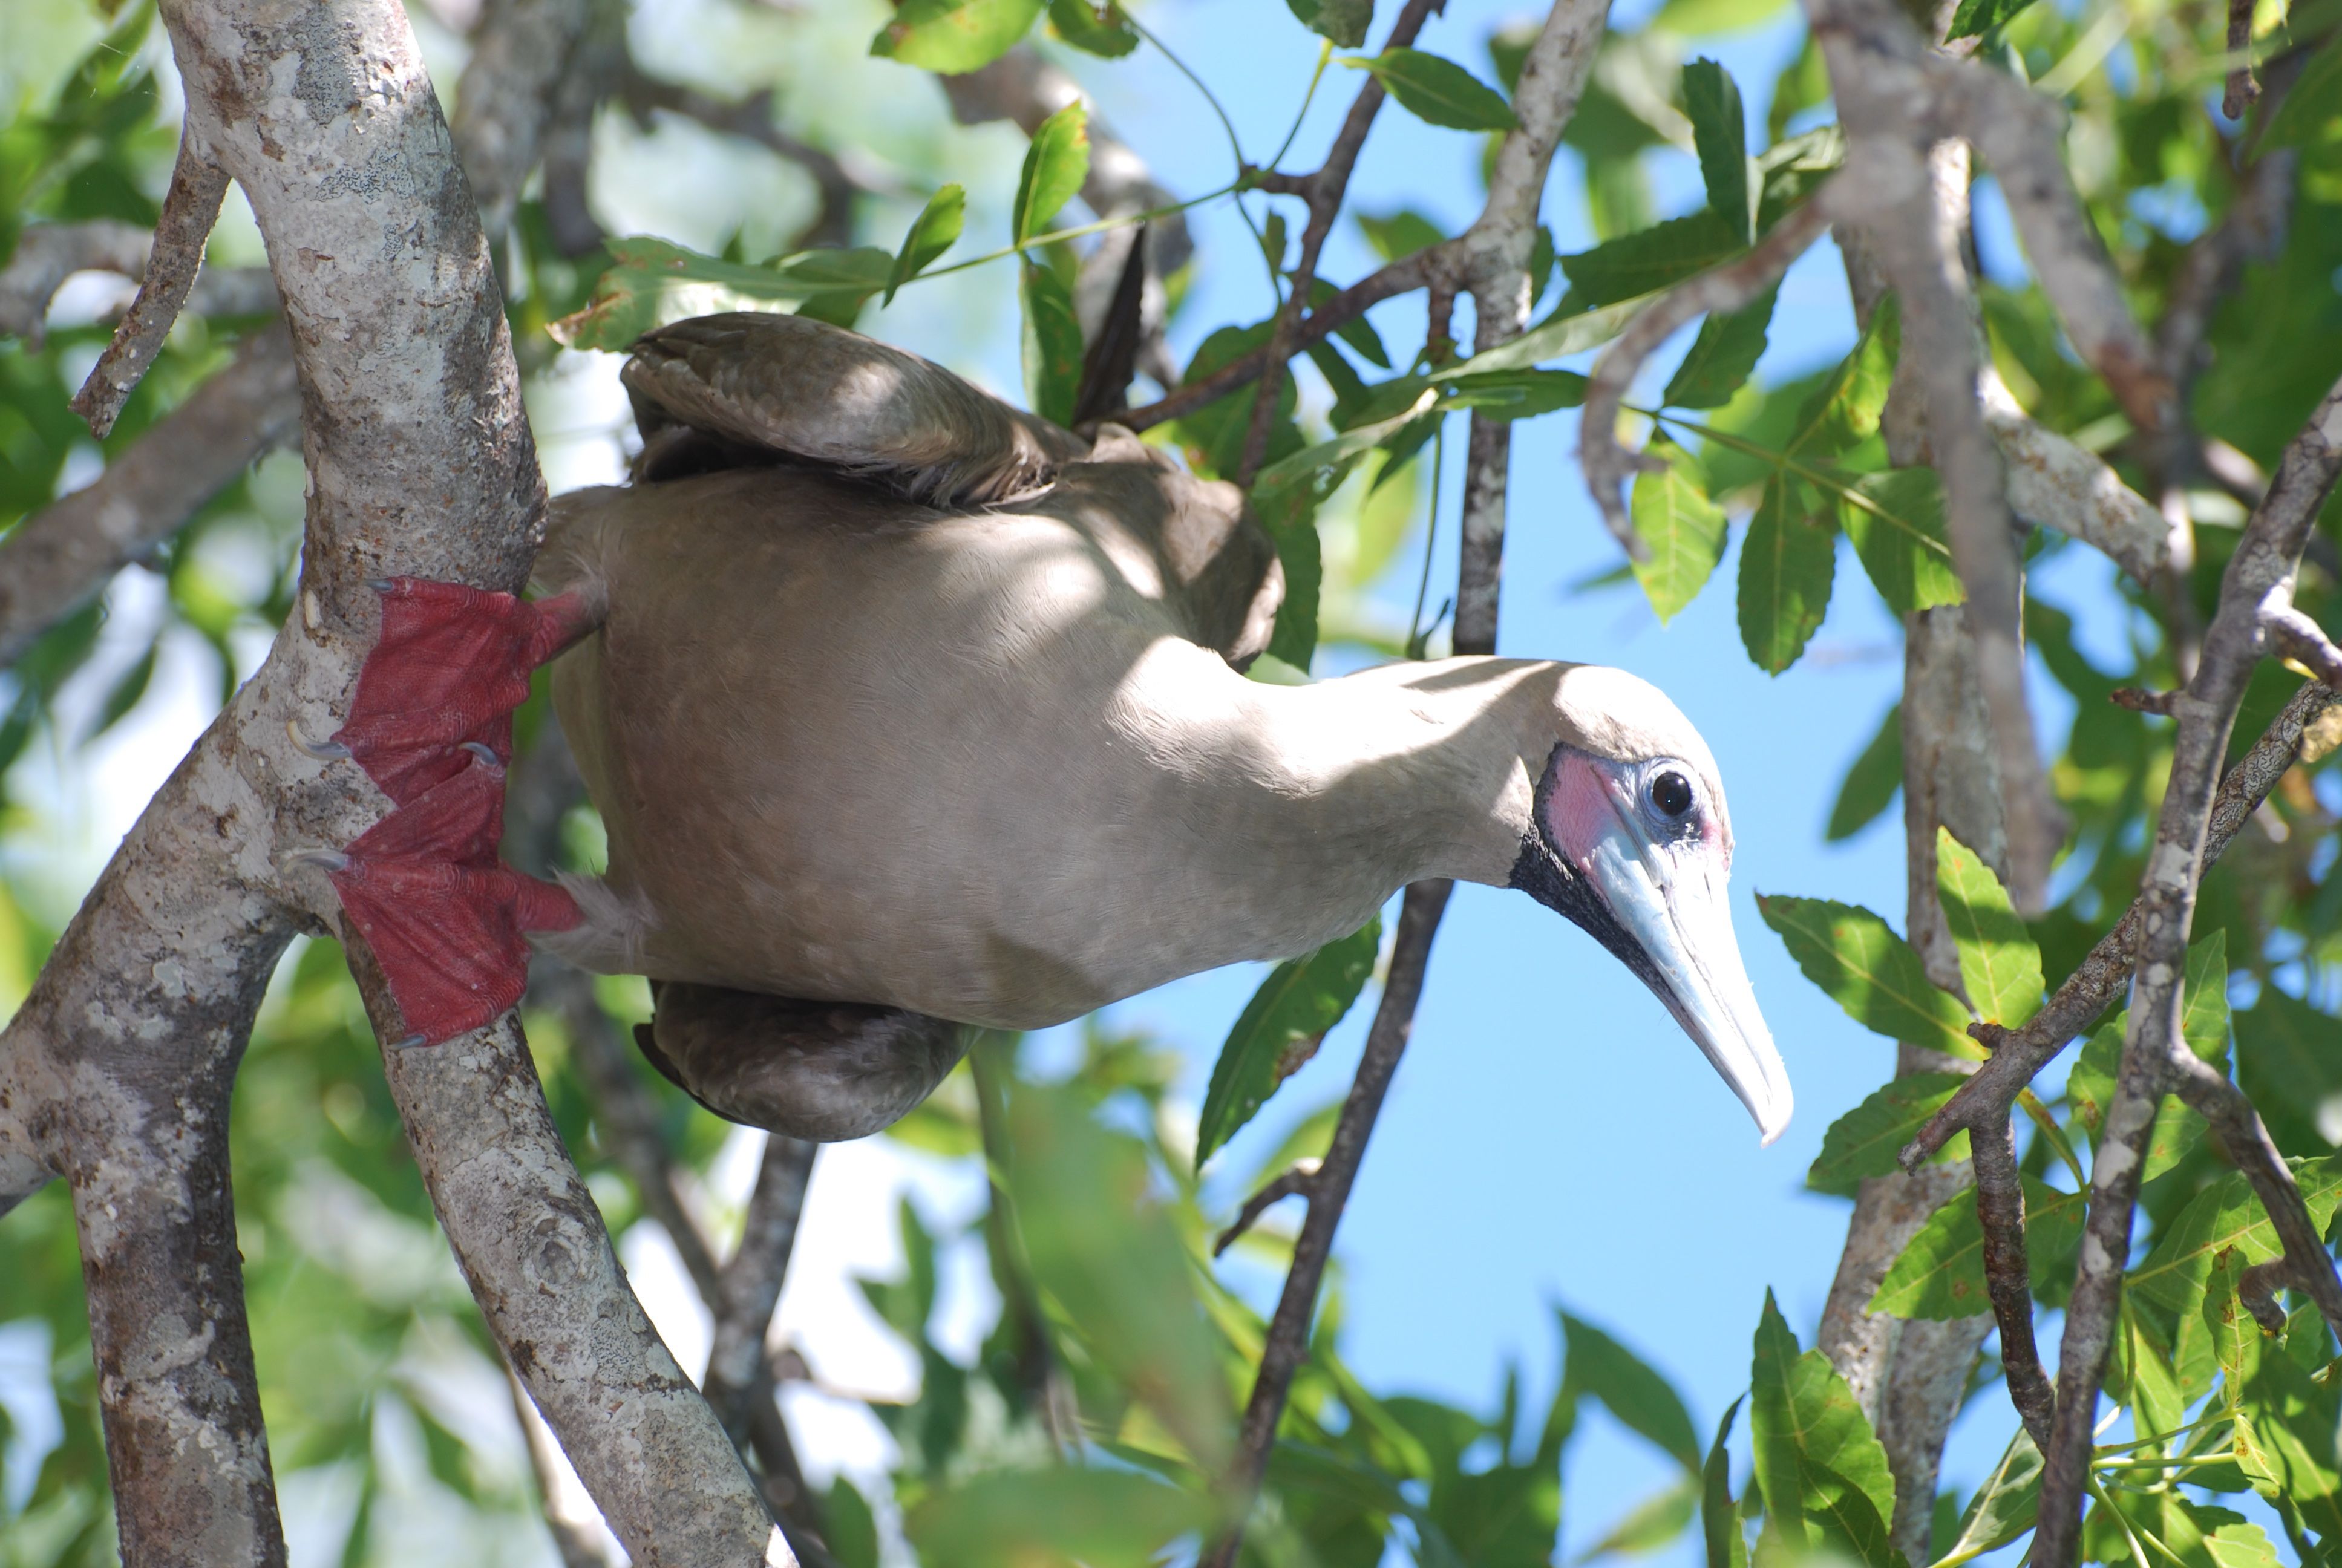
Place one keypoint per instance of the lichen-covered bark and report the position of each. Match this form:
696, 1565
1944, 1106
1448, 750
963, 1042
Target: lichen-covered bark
115, 1072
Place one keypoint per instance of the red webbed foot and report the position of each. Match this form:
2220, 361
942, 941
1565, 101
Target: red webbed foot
431, 723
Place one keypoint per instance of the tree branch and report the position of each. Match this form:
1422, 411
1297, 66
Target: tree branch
1322, 193
1545, 97
2155, 1056
2056, 483
1297, 1180
420, 463
54, 561
1607, 464
2099, 979
190, 207
48, 253
1496, 250
520, 51
1288, 1330
2000, 1211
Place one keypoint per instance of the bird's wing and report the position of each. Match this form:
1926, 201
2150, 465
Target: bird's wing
715, 390
724, 391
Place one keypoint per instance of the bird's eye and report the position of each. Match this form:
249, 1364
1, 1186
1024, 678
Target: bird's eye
1671, 794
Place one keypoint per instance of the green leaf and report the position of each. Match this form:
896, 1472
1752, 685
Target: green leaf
1652, 258
1787, 562
1013, 1518
2142, 1377
1684, 529
952, 36
1870, 971
2293, 1420
2241, 1546
1279, 1030
2226, 1215
1719, 1518
1342, 23
1052, 344
1106, 1253
1641, 1397
1871, 782
1844, 411
1291, 522
1438, 91
650, 283
2004, 1507
1699, 18
1999, 965
2204, 1010
1720, 133
1822, 1471
1318, 471
1400, 235
2308, 108
1101, 30
1723, 356
2286, 1062
2235, 1338
1895, 520
1975, 18
1357, 332
1055, 164
1940, 1273
849, 1528
1650, 1523
1865, 1140
1509, 394
1568, 330
934, 231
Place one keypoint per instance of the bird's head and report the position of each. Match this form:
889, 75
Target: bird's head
1629, 838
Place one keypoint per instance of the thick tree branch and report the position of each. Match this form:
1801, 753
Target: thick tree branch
420, 463
1881, 72
1321, 194
2155, 1056
2057, 484
54, 561
1912, 1376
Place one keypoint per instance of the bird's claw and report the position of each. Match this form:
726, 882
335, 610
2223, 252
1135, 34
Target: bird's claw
324, 859
323, 751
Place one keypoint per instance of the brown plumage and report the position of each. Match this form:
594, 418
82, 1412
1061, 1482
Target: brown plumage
907, 700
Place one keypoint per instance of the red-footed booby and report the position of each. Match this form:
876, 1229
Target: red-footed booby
906, 710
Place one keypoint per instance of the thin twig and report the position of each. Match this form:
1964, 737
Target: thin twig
1607, 465
2099, 979
1497, 248
2242, 88
2303, 640
1288, 1330
1322, 192
1296, 1180
2000, 1211
190, 207
1404, 275
2155, 1058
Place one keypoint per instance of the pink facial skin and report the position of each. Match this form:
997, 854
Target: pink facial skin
1590, 796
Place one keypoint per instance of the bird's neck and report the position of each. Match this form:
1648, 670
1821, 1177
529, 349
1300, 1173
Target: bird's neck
1306, 807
